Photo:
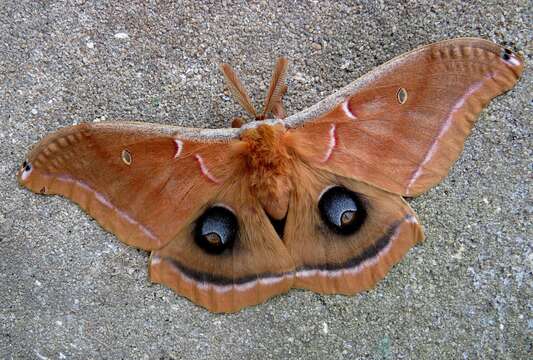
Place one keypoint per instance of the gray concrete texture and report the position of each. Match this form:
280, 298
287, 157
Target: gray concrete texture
70, 290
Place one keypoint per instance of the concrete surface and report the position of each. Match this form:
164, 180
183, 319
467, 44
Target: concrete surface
70, 290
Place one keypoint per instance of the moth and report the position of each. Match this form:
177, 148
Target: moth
314, 200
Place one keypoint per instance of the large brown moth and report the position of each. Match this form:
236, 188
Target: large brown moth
314, 200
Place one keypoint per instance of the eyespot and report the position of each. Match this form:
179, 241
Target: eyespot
401, 95
506, 54
26, 170
216, 230
342, 210
510, 58
126, 157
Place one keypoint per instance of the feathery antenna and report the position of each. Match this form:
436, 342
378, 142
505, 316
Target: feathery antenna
237, 89
273, 104
277, 86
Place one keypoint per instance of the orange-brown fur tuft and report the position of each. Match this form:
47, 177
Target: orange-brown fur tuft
267, 164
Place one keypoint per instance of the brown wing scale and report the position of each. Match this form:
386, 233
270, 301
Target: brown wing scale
328, 262
256, 268
146, 202
405, 123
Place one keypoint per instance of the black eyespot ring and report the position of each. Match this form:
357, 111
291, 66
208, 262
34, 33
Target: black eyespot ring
506, 54
216, 230
342, 210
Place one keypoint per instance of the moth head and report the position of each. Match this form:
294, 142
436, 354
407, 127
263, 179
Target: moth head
216, 229
342, 210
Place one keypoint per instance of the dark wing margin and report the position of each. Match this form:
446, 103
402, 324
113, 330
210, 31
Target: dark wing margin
329, 262
256, 268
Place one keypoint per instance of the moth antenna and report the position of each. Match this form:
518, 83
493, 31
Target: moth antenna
237, 89
277, 86
278, 110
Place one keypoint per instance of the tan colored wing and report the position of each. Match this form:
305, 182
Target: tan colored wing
141, 183
149, 187
402, 126
330, 262
256, 268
